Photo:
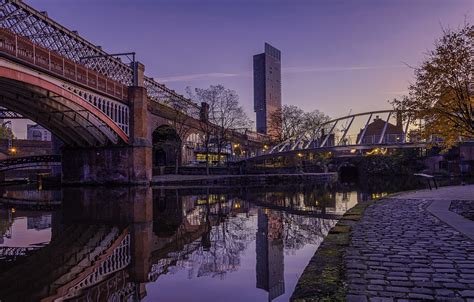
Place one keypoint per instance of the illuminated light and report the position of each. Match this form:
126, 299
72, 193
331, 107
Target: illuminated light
201, 201
236, 145
265, 147
12, 150
353, 151
13, 210
374, 151
300, 154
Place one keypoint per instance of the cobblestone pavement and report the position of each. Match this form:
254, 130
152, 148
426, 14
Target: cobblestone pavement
464, 208
400, 252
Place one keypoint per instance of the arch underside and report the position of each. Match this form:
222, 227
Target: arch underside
69, 119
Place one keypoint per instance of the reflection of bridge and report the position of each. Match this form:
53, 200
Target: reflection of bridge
103, 110
108, 244
37, 161
82, 257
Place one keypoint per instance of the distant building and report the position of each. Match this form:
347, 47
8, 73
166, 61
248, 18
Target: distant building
38, 222
38, 133
393, 133
267, 87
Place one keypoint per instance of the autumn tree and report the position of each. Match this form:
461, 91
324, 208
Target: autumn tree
440, 95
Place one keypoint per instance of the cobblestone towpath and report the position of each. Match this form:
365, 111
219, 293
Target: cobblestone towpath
402, 250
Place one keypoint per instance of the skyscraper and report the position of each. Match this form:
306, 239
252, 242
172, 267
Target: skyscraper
267, 88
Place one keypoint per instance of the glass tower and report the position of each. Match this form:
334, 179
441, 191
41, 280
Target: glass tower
267, 88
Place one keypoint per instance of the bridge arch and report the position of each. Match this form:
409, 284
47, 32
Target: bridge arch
68, 115
166, 146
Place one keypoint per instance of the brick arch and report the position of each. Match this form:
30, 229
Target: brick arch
42, 101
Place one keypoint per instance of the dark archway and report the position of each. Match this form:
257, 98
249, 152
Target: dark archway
166, 146
348, 173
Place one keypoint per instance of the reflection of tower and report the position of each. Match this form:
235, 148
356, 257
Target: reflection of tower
270, 259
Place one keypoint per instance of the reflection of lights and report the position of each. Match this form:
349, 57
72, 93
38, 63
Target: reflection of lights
265, 147
376, 151
353, 151
376, 196
201, 201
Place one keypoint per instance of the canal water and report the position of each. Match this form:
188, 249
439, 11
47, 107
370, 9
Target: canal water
174, 244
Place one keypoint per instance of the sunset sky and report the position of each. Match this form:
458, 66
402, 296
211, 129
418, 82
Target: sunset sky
337, 55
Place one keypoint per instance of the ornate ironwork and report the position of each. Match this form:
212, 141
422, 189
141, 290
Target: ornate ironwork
38, 28
11, 253
8, 114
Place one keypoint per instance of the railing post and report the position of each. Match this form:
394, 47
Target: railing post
16, 46
365, 129
138, 74
385, 128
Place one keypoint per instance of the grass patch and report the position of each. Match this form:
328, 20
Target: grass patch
324, 277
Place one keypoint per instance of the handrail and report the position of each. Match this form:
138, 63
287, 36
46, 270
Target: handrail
31, 53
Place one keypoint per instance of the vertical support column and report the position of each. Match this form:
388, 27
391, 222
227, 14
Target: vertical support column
141, 153
122, 164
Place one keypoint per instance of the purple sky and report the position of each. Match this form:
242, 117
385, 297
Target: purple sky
337, 55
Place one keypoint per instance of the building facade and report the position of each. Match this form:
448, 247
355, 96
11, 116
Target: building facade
267, 88
38, 133
393, 133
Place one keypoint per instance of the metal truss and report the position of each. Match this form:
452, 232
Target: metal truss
329, 134
36, 26
8, 114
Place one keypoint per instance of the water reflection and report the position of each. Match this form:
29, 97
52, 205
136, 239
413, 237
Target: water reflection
134, 244
270, 256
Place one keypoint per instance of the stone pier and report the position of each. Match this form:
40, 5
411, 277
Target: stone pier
123, 164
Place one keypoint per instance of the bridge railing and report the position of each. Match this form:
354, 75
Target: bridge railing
95, 65
161, 94
28, 52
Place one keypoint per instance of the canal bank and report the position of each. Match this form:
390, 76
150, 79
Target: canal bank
410, 245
